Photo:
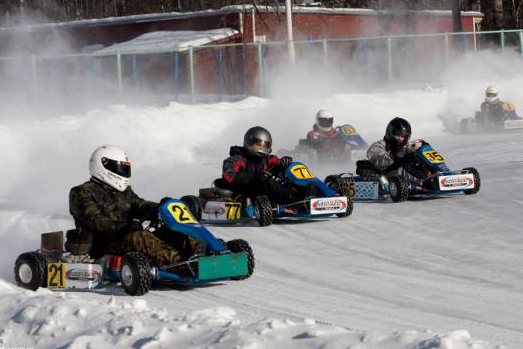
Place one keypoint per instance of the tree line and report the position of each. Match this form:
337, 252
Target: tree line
499, 14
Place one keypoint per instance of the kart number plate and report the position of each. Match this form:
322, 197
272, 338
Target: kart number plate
328, 205
349, 130
301, 171
180, 213
222, 210
513, 124
456, 182
433, 157
74, 275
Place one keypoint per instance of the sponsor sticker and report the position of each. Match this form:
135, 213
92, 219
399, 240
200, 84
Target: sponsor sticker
513, 124
456, 182
328, 205
222, 210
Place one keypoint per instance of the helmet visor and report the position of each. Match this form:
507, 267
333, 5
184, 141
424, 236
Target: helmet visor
325, 122
262, 146
492, 94
121, 168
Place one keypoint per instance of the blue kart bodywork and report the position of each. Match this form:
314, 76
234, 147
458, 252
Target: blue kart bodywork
223, 205
440, 180
216, 263
215, 259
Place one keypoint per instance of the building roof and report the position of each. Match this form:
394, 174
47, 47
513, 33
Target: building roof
168, 41
152, 17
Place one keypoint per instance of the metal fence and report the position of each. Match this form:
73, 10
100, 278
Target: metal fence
230, 71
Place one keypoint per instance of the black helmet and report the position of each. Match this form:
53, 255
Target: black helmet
398, 127
258, 141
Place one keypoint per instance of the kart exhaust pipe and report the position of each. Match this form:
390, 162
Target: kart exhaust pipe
51, 245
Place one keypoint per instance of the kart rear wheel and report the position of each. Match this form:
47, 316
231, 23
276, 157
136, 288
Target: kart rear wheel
477, 181
31, 271
398, 189
240, 245
194, 205
135, 274
263, 210
350, 208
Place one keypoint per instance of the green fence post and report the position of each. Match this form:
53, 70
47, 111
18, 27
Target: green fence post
119, 73
325, 51
33, 75
502, 35
520, 36
260, 70
389, 56
447, 52
191, 72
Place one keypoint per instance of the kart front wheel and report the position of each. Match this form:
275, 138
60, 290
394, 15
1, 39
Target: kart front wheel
477, 181
263, 210
193, 204
398, 189
31, 271
135, 274
240, 245
350, 208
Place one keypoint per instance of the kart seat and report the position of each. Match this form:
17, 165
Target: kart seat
221, 188
364, 168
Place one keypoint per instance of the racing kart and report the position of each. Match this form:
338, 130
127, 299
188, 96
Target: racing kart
347, 146
220, 203
438, 179
73, 268
482, 121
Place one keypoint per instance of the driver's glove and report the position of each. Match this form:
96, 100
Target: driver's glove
285, 161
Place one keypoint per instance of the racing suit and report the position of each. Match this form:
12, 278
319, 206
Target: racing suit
246, 174
491, 113
389, 160
111, 217
325, 143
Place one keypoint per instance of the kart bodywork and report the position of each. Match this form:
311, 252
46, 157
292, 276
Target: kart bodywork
58, 270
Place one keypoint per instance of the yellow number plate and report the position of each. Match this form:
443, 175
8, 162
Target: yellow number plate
301, 172
233, 210
180, 213
349, 130
433, 156
56, 275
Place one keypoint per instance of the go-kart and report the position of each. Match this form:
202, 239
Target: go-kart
437, 179
482, 121
55, 269
220, 203
347, 146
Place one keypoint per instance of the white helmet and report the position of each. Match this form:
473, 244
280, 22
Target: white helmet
324, 120
111, 165
491, 95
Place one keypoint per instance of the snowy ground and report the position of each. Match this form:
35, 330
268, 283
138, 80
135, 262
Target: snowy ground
426, 274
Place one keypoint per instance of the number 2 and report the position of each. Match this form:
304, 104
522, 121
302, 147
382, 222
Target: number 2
56, 275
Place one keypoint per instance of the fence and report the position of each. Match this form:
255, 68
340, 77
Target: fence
220, 72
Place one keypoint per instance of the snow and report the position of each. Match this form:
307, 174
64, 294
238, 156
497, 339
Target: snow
170, 41
441, 273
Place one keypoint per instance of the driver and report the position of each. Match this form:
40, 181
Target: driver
394, 154
246, 170
108, 208
492, 107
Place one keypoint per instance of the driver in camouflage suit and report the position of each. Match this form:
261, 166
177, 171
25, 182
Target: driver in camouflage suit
107, 207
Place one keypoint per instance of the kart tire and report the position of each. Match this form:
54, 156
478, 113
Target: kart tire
343, 186
31, 271
350, 208
477, 181
398, 189
135, 274
194, 205
240, 245
263, 210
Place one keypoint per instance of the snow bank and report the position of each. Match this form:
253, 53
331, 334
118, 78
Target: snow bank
66, 320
